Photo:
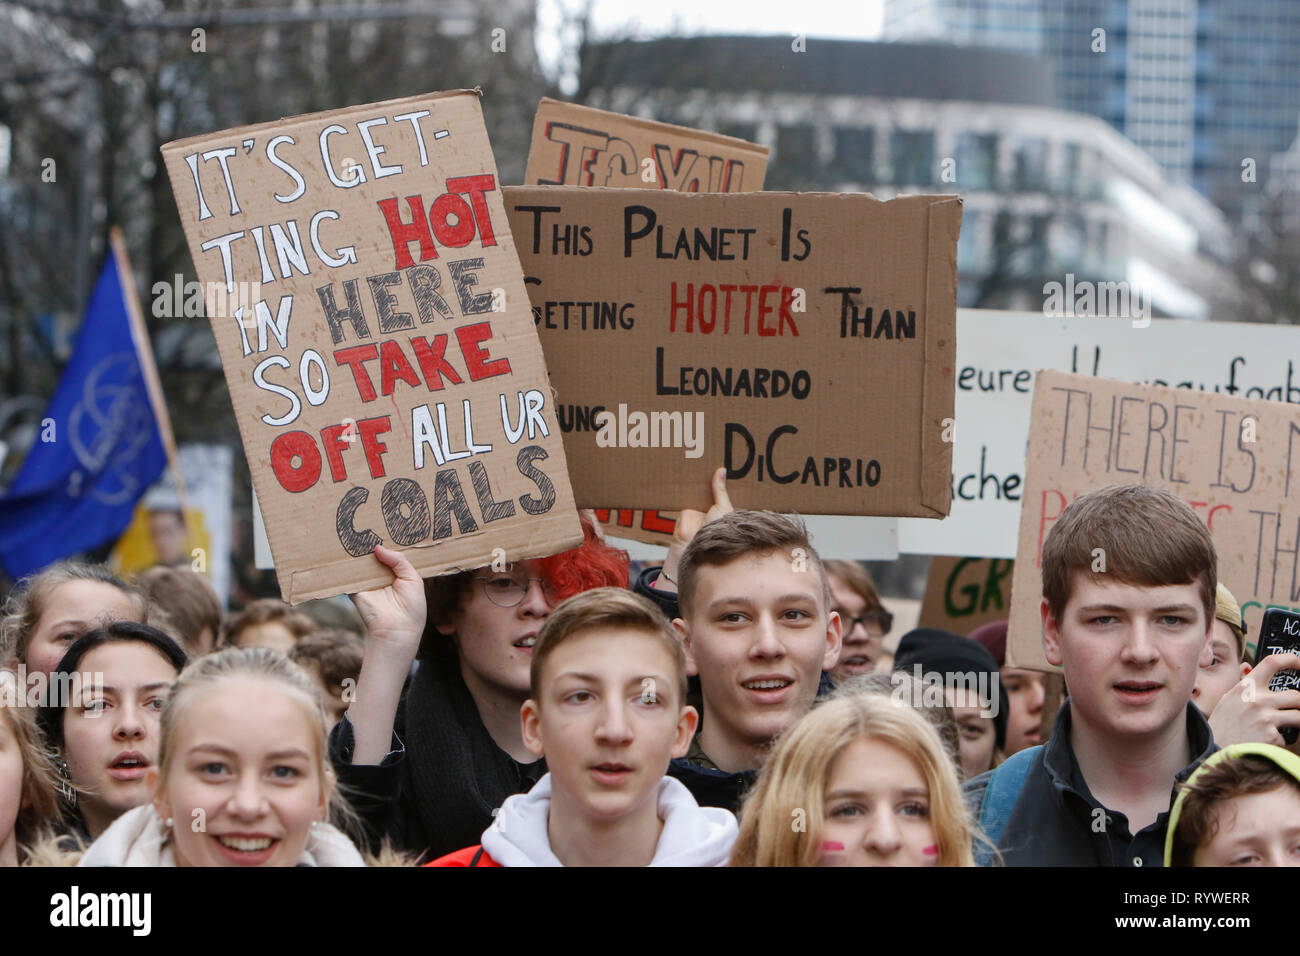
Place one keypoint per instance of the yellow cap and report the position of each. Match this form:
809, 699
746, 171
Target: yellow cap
1229, 612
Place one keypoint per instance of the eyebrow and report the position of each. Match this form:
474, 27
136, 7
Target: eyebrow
909, 792
575, 675
288, 754
747, 601
227, 752
145, 687
595, 679
1089, 608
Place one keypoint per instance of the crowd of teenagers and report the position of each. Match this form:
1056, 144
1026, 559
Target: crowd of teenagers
734, 706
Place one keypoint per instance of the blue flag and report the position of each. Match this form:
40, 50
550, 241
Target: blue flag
99, 449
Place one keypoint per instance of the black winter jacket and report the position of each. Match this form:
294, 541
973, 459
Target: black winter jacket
435, 794
1056, 820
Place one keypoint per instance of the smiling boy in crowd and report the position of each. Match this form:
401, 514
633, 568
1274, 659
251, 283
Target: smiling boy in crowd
758, 631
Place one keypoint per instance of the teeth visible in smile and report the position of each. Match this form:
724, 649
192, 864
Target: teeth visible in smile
526, 642
245, 844
767, 684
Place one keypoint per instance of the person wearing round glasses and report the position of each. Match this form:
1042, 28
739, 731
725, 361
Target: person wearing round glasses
429, 763
865, 620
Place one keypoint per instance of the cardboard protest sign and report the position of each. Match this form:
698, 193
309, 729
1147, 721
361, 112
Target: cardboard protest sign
962, 594
581, 146
369, 308
573, 143
1235, 461
804, 341
998, 354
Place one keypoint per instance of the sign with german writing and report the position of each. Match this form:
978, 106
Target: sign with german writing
1235, 461
962, 594
581, 146
369, 308
804, 341
998, 354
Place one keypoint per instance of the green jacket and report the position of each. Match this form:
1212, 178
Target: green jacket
1283, 758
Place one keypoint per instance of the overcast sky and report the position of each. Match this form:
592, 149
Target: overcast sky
844, 19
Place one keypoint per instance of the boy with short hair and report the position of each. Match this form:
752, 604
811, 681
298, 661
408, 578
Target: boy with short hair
1230, 662
759, 633
192, 607
1130, 640
1233, 695
607, 709
430, 761
332, 657
268, 622
1240, 808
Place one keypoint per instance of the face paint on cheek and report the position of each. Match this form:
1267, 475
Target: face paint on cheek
931, 853
830, 850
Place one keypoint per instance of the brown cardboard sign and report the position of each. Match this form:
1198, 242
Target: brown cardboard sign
1233, 460
581, 146
962, 594
370, 311
805, 341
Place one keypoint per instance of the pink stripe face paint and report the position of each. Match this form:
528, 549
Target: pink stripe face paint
832, 853
931, 850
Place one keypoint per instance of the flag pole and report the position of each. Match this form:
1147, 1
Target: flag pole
148, 367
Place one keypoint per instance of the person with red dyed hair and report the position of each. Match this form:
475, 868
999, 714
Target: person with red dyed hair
428, 760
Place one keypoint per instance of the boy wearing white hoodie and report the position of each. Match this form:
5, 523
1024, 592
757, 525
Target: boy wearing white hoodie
607, 709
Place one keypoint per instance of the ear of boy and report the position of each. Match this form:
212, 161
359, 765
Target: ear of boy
684, 632
834, 640
687, 723
530, 716
1051, 634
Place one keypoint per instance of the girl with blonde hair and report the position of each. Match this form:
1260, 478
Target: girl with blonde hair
242, 776
861, 780
49, 610
29, 805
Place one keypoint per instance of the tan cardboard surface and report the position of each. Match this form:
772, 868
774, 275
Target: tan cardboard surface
845, 400
369, 246
962, 594
1194, 444
581, 146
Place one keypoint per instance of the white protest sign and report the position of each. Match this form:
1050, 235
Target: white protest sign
998, 354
